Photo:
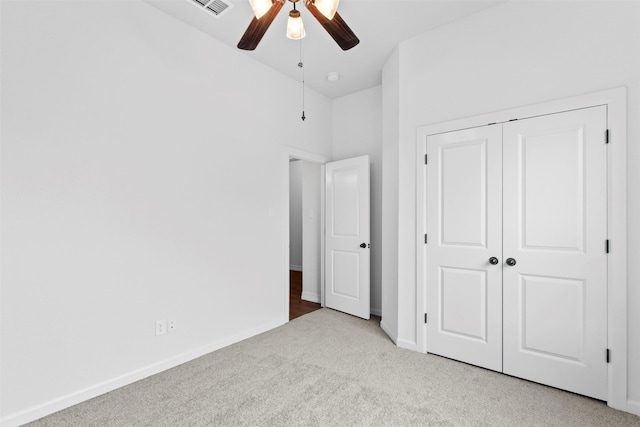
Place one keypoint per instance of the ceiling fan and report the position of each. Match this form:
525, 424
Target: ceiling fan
323, 10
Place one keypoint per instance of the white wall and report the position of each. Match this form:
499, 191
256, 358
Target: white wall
391, 84
295, 215
127, 138
312, 184
517, 54
357, 130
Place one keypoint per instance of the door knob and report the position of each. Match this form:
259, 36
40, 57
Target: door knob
493, 260
511, 262
363, 245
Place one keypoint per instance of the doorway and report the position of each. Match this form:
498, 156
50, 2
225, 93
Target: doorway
348, 190
312, 242
304, 237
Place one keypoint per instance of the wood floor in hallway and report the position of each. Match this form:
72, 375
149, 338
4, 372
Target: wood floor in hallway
297, 306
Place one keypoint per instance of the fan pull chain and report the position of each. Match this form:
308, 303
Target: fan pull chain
301, 66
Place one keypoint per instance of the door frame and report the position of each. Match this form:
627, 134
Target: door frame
295, 153
616, 102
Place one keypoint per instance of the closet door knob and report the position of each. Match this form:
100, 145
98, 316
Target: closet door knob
511, 262
363, 245
493, 260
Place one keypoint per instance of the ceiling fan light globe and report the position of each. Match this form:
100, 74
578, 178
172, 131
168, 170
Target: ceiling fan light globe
327, 7
260, 7
295, 26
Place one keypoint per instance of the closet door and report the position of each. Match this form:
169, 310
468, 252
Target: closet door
464, 226
555, 295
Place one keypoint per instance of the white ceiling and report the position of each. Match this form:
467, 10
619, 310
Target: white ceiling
379, 24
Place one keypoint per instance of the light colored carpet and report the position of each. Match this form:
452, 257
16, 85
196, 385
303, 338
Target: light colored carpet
327, 369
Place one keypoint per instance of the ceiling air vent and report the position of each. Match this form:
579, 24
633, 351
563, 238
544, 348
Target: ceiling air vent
215, 7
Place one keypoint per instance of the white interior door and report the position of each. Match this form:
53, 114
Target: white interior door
464, 231
555, 228
347, 247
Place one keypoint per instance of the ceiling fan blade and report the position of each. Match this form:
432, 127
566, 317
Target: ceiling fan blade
258, 27
336, 27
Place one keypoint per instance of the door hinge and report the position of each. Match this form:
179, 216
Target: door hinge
608, 355
606, 136
425, 238
426, 159
425, 318
606, 246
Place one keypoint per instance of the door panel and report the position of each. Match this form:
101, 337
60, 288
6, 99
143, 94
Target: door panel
464, 221
347, 264
345, 202
553, 196
463, 193
463, 303
558, 331
554, 211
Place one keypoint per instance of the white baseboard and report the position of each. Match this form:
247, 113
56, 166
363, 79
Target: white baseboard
63, 402
633, 407
375, 311
409, 345
400, 342
387, 331
308, 296
295, 267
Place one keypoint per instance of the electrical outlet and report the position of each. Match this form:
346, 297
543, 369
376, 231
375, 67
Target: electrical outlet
171, 324
161, 327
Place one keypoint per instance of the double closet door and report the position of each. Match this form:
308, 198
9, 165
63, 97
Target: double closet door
516, 264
